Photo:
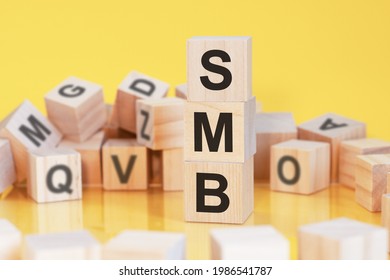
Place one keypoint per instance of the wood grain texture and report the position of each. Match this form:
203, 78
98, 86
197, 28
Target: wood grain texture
10, 241
74, 245
43, 169
323, 129
371, 180
136, 86
7, 167
239, 177
342, 239
145, 245
27, 129
271, 128
239, 50
312, 170
349, 149
160, 123
249, 243
173, 169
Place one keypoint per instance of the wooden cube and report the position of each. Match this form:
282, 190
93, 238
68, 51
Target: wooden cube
160, 123
136, 86
371, 180
219, 68
125, 165
249, 243
342, 239
54, 175
218, 192
173, 169
10, 241
7, 168
74, 245
271, 128
145, 245
220, 131
91, 162
386, 214
333, 129
349, 149
77, 108
299, 166
26, 128
155, 168
181, 91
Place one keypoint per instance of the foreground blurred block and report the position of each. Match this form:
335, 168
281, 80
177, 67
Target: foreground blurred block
300, 166
371, 180
27, 129
54, 175
342, 239
271, 128
386, 213
77, 108
349, 149
249, 243
76, 245
7, 168
145, 245
10, 241
333, 129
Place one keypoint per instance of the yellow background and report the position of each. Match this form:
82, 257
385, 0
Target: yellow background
309, 58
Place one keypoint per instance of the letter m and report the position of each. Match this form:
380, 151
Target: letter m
36, 132
224, 123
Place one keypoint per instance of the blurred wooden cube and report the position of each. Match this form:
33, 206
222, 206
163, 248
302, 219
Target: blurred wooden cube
54, 175
349, 149
77, 108
10, 241
160, 123
333, 129
136, 86
7, 167
371, 180
271, 128
385, 218
342, 239
125, 165
27, 129
181, 91
173, 169
74, 245
300, 166
91, 160
249, 243
145, 245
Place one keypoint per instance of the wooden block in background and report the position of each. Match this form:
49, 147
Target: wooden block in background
259, 107
76, 107
218, 192
145, 245
333, 129
349, 149
54, 175
26, 129
74, 245
125, 165
136, 86
371, 180
7, 168
385, 217
173, 169
271, 128
249, 243
160, 123
342, 239
228, 126
181, 91
10, 241
300, 166
91, 161
219, 68
155, 168
111, 128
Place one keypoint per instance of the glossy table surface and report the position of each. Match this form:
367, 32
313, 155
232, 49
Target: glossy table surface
105, 213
